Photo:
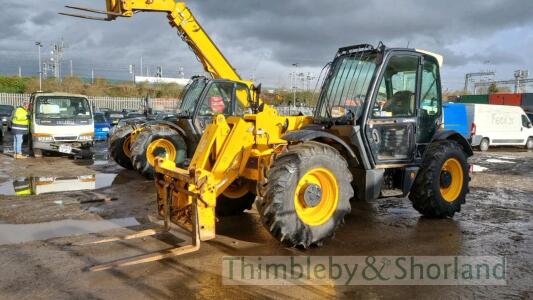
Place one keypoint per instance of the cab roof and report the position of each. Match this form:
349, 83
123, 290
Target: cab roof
59, 94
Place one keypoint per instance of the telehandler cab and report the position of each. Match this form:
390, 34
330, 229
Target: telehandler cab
176, 138
376, 133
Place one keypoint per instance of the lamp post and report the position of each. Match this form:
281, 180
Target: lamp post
39, 46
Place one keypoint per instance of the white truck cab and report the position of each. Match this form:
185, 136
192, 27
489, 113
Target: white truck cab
62, 123
499, 125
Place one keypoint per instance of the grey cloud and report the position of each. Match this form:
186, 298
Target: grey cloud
271, 35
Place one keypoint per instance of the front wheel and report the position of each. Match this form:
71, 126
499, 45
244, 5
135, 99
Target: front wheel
484, 145
529, 143
119, 146
157, 141
441, 185
307, 194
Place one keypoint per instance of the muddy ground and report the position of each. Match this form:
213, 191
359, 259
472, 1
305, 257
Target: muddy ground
496, 220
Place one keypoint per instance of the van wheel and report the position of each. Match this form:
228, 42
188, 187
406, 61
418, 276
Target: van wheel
529, 144
37, 153
484, 145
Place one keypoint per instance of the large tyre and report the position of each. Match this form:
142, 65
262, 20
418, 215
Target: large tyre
441, 185
120, 148
235, 200
307, 194
157, 141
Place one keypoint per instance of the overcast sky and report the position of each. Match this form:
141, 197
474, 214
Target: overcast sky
265, 38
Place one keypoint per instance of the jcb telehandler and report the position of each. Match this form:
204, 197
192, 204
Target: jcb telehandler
376, 133
136, 146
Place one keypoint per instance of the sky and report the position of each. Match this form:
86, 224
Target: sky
263, 39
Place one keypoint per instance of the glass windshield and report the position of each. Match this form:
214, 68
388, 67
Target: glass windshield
6, 109
99, 118
190, 96
62, 107
347, 83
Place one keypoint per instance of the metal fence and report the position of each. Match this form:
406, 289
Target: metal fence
120, 103
113, 103
294, 111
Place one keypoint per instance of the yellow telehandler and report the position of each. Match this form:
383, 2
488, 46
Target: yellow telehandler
377, 132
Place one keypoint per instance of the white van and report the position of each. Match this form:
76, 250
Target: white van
499, 125
61, 123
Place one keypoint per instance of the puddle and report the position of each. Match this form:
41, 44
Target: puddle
477, 168
101, 158
22, 186
20, 233
499, 161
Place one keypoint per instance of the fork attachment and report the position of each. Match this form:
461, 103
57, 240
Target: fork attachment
194, 226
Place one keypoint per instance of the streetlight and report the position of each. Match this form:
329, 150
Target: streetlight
295, 65
39, 46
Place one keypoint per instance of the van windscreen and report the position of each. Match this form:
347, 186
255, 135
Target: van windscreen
64, 107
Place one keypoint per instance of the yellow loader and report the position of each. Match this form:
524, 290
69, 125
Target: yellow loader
376, 133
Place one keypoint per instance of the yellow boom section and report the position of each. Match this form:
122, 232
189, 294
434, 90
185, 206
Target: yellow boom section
180, 16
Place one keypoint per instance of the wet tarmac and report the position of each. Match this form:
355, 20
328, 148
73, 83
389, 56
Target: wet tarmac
495, 221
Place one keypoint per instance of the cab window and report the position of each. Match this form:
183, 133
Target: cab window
397, 90
242, 95
430, 101
525, 122
218, 99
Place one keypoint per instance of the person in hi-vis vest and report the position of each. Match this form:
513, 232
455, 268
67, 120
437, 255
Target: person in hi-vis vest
19, 127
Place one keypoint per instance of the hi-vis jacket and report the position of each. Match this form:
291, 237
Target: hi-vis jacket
20, 121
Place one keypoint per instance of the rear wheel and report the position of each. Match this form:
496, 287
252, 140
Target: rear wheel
235, 200
441, 185
484, 145
119, 146
157, 141
307, 194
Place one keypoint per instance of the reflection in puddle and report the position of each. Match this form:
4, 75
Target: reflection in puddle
477, 168
43, 185
20, 233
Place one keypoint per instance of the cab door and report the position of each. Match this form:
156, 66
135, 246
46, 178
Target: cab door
429, 107
391, 124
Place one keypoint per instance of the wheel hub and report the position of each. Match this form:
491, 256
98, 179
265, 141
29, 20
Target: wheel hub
445, 179
312, 195
159, 152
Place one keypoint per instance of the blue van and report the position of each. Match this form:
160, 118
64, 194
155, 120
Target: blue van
456, 118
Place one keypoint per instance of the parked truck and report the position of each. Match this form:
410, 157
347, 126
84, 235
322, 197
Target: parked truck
61, 123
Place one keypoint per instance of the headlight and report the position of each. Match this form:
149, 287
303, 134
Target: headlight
4, 119
45, 139
86, 137
105, 129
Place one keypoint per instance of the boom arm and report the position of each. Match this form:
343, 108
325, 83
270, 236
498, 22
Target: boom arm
180, 17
